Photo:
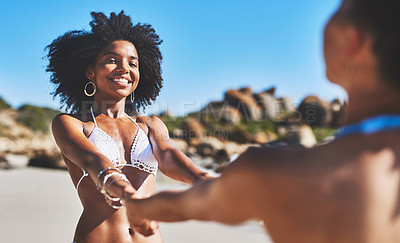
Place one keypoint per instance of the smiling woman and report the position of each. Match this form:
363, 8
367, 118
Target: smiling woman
109, 154
117, 71
71, 54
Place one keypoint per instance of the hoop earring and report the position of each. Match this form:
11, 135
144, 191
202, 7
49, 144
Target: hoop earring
132, 97
94, 89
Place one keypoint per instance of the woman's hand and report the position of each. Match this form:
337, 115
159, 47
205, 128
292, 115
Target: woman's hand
203, 176
143, 226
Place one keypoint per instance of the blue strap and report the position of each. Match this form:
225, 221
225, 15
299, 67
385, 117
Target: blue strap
371, 125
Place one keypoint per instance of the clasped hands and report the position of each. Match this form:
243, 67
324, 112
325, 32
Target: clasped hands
143, 226
132, 200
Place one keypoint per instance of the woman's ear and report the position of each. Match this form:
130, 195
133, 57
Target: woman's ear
89, 73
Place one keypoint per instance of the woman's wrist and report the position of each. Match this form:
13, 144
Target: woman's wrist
113, 184
202, 177
127, 191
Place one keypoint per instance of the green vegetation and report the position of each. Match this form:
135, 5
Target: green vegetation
172, 123
3, 104
36, 118
256, 126
322, 133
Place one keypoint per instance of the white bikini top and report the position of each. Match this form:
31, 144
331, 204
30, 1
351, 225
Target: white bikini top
142, 156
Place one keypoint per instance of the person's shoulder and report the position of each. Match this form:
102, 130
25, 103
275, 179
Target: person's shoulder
149, 120
68, 117
152, 122
67, 120
360, 144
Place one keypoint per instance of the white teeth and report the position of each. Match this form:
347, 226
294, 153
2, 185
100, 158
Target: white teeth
121, 80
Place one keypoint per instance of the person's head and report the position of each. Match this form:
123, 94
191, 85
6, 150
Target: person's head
113, 55
359, 24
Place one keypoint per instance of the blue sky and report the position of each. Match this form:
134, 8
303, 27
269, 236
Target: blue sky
209, 46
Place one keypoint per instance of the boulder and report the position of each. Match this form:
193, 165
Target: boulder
239, 135
315, 111
286, 105
270, 91
192, 130
264, 137
302, 136
191, 151
232, 148
245, 103
4, 162
222, 112
282, 130
177, 133
246, 91
47, 159
209, 146
180, 144
268, 105
221, 156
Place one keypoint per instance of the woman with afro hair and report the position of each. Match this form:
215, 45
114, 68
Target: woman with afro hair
101, 76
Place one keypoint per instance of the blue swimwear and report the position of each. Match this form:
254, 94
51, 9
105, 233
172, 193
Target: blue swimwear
371, 125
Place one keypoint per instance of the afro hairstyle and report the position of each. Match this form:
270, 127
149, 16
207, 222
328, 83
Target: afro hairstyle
73, 52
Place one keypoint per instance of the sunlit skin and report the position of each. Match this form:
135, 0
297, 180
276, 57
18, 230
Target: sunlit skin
99, 222
343, 191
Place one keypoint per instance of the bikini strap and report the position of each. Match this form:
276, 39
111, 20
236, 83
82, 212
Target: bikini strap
133, 121
94, 119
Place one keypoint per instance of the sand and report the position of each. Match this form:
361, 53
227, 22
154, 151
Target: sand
41, 205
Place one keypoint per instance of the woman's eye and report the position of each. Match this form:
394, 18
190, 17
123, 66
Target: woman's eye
133, 64
111, 60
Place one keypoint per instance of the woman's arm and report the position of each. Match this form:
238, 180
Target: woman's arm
70, 138
172, 162
232, 198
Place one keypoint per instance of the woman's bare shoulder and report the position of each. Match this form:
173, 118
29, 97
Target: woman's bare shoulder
149, 120
152, 123
68, 121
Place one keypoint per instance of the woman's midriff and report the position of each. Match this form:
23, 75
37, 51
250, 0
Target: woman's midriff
93, 227
100, 223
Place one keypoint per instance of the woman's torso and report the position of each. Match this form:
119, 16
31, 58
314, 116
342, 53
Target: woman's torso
99, 222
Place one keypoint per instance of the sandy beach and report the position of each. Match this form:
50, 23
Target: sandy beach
41, 205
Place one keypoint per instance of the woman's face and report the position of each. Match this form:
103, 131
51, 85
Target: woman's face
116, 71
335, 45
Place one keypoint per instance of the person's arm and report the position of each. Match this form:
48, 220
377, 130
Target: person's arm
172, 162
232, 198
74, 145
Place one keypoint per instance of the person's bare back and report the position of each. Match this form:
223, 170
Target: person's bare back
345, 191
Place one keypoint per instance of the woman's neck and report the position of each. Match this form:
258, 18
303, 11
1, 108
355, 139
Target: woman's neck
364, 104
113, 109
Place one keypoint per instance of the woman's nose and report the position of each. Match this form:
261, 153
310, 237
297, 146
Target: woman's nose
123, 68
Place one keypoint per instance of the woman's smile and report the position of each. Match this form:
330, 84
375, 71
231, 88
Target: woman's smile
123, 82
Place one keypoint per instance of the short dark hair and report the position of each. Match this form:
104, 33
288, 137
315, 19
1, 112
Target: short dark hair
73, 52
381, 18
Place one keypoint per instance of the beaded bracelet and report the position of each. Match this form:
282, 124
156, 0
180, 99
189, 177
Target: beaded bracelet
106, 177
114, 202
110, 199
111, 202
123, 178
102, 172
